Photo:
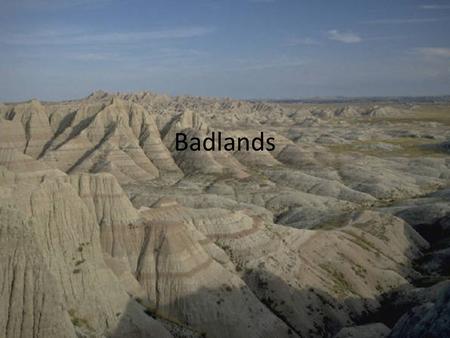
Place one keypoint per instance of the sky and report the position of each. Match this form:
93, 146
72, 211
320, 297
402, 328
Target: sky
278, 49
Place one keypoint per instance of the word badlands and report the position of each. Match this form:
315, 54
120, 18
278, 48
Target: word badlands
216, 143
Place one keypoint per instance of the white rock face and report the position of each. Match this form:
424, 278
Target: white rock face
67, 235
31, 301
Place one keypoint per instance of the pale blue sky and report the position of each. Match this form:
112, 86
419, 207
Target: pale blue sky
57, 49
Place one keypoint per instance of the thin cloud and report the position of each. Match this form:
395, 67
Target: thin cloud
435, 6
50, 37
153, 55
434, 52
384, 38
262, 1
276, 64
344, 37
239, 65
402, 21
57, 4
92, 56
302, 41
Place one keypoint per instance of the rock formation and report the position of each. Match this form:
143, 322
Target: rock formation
106, 229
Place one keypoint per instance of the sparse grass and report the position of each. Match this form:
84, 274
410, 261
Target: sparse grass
414, 147
424, 113
359, 240
333, 223
359, 270
341, 286
154, 313
379, 231
78, 321
409, 147
149, 312
379, 288
81, 261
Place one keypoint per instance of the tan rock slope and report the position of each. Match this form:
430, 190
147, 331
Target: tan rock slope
276, 262
115, 136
